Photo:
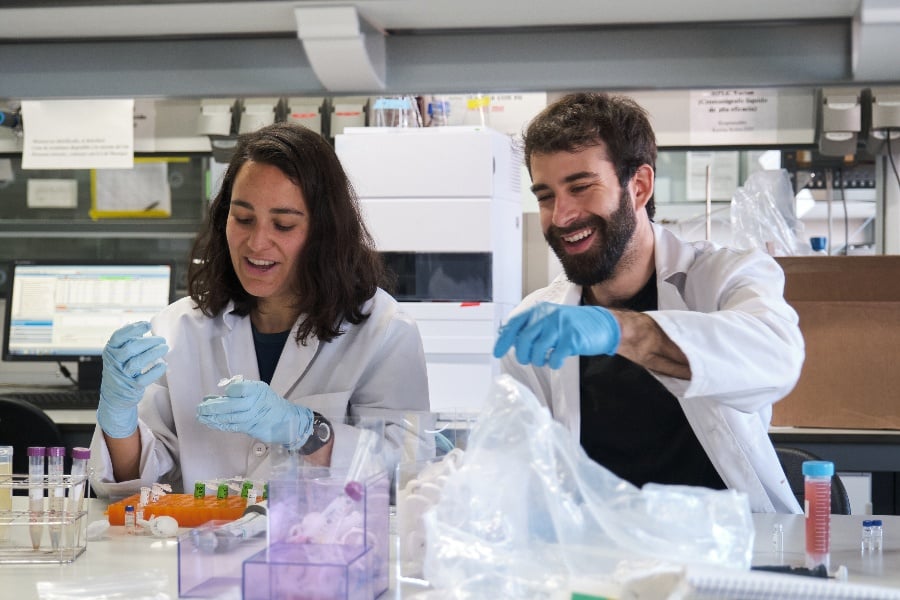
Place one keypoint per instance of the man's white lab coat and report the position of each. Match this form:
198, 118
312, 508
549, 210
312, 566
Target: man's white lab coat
375, 370
725, 309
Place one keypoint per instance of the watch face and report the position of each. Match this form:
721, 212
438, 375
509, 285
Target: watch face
320, 435
323, 431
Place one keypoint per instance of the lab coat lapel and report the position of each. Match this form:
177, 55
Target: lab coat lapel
236, 352
566, 381
293, 364
671, 270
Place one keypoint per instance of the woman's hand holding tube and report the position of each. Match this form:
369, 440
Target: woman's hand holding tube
131, 362
252, 407
550, 333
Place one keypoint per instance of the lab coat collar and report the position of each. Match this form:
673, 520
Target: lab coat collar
236, 344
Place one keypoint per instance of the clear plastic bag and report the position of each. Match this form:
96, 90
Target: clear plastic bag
527, 512
763, 215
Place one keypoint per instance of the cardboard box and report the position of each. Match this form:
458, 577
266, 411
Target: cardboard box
849, 309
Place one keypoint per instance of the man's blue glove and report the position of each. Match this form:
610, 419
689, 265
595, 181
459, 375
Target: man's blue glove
553, 332
252, 407
128, 368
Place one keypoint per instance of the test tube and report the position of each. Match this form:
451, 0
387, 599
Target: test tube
56, 491
36, 492
80, 457
817, 489
6, 455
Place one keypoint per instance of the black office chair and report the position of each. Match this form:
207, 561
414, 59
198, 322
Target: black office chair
23, 424
792, 462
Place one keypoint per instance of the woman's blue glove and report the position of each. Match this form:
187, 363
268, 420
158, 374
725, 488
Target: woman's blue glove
252, 407
553, 332
128, 368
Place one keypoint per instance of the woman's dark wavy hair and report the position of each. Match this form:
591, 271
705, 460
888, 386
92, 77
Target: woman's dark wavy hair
338, 268
581, 120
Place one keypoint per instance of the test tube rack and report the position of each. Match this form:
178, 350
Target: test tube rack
184, 508
47, 536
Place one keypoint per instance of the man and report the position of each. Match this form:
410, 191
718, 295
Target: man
664, 357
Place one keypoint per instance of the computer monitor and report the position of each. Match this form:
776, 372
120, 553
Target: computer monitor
65, 311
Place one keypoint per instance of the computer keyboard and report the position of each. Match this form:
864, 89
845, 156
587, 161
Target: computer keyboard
58, 399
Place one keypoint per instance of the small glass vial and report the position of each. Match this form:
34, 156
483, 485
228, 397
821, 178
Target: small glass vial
866, 540
778, 542
129, 519
778, 538
877, 535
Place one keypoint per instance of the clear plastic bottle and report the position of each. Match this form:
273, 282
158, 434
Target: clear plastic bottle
817, 503
438, 112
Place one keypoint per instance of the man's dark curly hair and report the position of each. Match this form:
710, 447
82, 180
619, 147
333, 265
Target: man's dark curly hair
581, 120
338, 268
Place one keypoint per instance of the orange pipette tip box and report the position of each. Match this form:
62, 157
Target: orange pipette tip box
185, 508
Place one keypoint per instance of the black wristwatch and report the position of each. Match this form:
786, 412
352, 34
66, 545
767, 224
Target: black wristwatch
321, 435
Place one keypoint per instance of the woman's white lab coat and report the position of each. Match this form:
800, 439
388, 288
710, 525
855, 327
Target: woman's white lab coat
725, 309
374, 370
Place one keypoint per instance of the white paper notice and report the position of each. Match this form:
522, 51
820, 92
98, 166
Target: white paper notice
733, 117
78, 134
52, 193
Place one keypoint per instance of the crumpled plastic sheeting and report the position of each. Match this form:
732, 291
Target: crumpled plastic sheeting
527, 510
762, 214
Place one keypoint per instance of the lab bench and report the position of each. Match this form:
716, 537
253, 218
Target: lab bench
119, 553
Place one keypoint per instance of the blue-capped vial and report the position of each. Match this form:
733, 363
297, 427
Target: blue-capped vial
877, 535
866, 538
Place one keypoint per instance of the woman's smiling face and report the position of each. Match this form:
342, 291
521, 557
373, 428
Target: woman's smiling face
267, 228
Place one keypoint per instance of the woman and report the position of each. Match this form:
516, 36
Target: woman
283, 286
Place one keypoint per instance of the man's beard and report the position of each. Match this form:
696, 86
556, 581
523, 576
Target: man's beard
599, 262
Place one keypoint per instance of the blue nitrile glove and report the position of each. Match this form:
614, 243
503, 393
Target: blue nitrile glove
252, 407
553, 332
128, 368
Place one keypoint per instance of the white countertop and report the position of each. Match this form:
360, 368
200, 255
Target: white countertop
123, 554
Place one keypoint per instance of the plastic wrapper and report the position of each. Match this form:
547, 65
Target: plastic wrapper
527, 512
763, 215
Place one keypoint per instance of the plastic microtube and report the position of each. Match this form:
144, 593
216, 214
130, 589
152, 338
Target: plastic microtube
817, 476
6, 455
56, 491
143, 501
245, 488
199, 490
36, 492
